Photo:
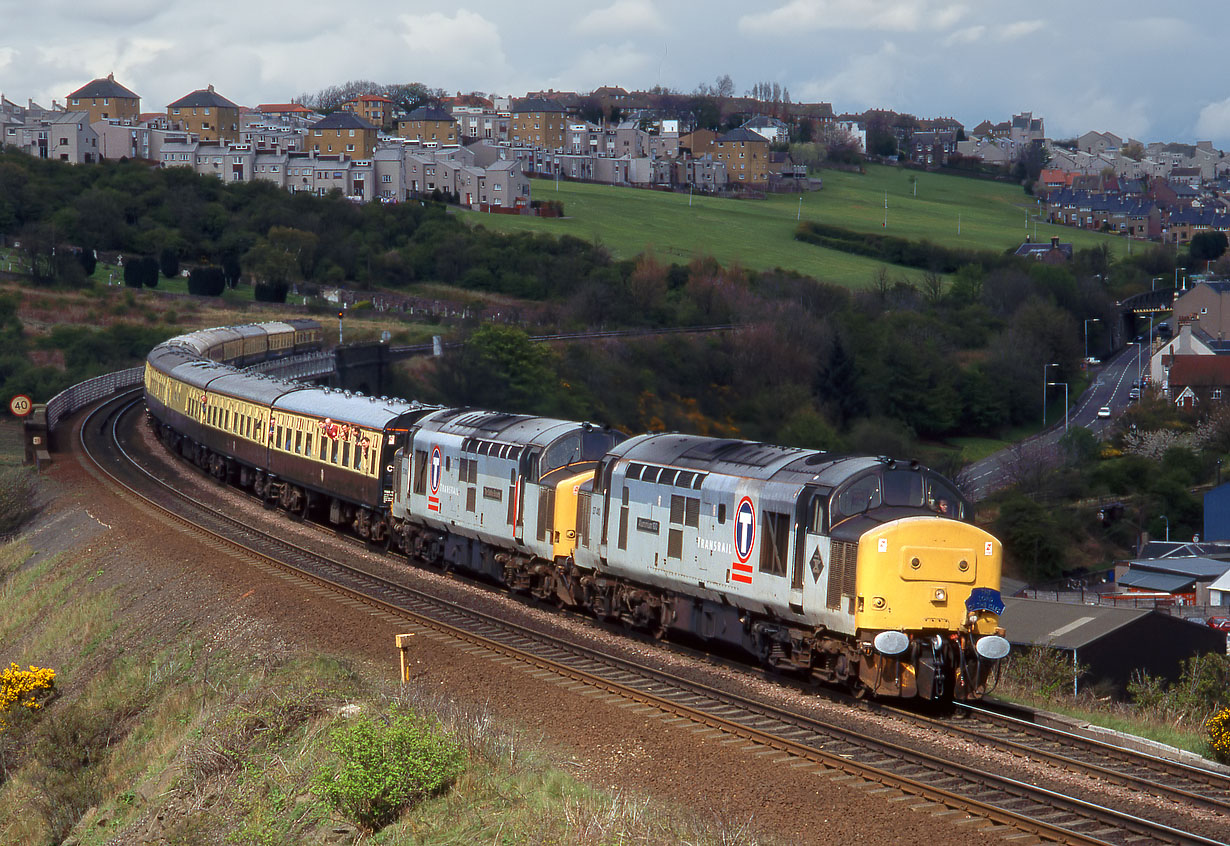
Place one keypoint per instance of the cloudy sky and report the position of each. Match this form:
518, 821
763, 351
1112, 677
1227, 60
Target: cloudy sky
1147, 70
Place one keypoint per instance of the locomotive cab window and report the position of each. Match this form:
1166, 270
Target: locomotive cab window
903, 487
861, 495
943, 500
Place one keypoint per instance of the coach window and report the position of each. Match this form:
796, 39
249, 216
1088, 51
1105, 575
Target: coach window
280, 439
307, 444
346, 454
299, 443
336, 448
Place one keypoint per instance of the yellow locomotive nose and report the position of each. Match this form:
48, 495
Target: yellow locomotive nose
917, 573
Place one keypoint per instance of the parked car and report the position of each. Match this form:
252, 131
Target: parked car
1104, 411
1134, 394
1222, 624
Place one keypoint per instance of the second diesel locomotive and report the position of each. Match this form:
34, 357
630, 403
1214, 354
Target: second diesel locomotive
858, 570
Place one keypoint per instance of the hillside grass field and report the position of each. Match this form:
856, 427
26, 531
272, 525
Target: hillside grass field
759, 234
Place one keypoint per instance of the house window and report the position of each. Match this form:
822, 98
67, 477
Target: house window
1217, 393
386, 178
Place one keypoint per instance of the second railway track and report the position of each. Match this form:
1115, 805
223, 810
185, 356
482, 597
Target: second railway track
801, 741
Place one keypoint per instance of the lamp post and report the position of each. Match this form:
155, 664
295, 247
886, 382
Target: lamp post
1044, 384
1065, 403
1167, 519
1087, 322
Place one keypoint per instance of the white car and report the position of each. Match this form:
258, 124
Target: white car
1104, 411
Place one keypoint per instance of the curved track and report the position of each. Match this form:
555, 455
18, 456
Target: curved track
802, 742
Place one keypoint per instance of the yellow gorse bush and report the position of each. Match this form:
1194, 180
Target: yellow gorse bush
24, 688
1218, 727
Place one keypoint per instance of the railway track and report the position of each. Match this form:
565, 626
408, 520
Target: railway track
1155, 775
801, 743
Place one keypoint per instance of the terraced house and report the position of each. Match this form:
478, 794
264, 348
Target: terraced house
207, 114
106, 99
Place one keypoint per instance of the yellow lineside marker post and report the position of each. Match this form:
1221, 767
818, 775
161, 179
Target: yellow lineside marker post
403, 643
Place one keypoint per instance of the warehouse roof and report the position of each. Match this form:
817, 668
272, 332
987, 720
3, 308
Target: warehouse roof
1063, 625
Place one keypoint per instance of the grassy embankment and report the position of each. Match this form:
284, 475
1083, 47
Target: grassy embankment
759, 234
165, 730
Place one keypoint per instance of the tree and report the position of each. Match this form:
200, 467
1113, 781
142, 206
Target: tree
148, 271
724, 87
1207, 246
88, 261
1031, 537
206, 281
38, 246
168, 262
500, 367
1133, 150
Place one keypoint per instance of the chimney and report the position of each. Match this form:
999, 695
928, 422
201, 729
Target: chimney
1054, 242
111, 77
211, 88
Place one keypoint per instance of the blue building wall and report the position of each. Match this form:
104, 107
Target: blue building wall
1217, 514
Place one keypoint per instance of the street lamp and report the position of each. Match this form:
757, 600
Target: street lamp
1167, 519
1065, 403
1044, 384
1087, 322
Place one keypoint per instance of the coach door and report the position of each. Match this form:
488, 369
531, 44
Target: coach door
808, 537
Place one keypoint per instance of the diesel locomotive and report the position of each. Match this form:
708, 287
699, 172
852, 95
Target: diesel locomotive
862, 571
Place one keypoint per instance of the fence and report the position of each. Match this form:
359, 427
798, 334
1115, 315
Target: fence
91, 390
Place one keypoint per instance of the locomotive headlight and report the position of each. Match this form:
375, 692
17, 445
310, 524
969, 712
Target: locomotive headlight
940, 595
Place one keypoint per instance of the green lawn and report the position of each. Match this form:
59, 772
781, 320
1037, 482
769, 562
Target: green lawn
759, 234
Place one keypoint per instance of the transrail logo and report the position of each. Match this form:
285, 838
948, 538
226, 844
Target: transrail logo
745, 539
434, 472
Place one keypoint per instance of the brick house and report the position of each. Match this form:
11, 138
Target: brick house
538, 122
373, 108
207, 114
342, 134
430, 126
106, 99
746, 157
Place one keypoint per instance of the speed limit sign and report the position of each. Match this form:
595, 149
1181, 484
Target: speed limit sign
21, 405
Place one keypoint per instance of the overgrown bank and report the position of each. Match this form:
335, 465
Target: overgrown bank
170, 732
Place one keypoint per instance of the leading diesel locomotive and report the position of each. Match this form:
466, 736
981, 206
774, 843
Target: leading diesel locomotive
862, 571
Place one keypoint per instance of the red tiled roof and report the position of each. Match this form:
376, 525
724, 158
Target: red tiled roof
282, 107
1199, 370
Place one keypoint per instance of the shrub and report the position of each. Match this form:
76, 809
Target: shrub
386, 765
25, 688
1218, 728
1043, 671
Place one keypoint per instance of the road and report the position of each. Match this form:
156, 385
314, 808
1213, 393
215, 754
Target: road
1112, 383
